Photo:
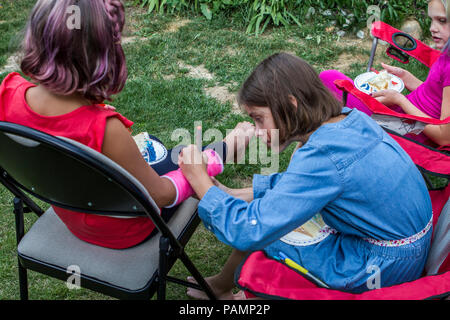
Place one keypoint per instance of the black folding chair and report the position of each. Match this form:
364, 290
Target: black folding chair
67, 174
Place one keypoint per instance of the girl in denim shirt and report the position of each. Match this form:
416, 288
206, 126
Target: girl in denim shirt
347, 173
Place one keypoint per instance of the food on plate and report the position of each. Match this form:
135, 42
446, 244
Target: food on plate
380, 81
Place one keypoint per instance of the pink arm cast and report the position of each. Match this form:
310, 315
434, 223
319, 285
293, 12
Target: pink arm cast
184, 190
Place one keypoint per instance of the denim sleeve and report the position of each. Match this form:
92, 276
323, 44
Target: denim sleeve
309, 184
263, 183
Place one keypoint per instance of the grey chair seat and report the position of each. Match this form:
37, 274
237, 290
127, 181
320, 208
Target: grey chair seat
49, 241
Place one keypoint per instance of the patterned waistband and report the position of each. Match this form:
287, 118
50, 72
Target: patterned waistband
401, 242
297, 238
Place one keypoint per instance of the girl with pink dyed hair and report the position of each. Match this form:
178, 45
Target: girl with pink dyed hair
427, 99
73, 71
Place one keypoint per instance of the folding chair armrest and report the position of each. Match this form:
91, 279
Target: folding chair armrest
378, 108
418, 152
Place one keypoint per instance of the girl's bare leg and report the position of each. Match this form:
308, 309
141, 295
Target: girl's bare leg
222, 283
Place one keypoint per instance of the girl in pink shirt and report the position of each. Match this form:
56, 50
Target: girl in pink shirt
427, 99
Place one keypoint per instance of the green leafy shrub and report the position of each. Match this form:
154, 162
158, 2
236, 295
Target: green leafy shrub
347, 15
277, 12
353, 14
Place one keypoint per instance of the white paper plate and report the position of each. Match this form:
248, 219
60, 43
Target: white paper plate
311, 232
160, 151
361, 83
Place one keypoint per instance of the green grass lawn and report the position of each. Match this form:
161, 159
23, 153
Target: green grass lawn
176, 64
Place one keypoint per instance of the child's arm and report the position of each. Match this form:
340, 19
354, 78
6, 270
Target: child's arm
439, 134
199, 177
195, 171
252, 226
214, 166
119, 146
410, 81
394, 98
245, 194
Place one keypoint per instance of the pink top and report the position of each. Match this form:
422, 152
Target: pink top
87, 126
428, 96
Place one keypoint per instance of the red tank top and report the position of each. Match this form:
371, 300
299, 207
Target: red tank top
87, 126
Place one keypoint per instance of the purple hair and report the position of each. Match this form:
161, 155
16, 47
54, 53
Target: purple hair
88, 60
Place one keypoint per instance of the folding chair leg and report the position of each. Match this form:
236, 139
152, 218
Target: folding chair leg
164, 244
162, 270
197, 276
372, 53
23, 281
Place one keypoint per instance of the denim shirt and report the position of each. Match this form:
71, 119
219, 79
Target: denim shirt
353, 173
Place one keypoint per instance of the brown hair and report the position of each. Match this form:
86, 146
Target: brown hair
280, 77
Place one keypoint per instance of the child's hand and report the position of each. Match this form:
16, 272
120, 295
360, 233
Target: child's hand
409, 80
388, 97
193, 165
192, 162
396, 71
221, 186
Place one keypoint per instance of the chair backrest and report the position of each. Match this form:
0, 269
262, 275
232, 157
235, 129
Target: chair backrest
440, 247
404, 44
70, 175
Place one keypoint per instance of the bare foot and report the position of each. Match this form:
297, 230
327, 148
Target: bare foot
220, 294
237, 141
